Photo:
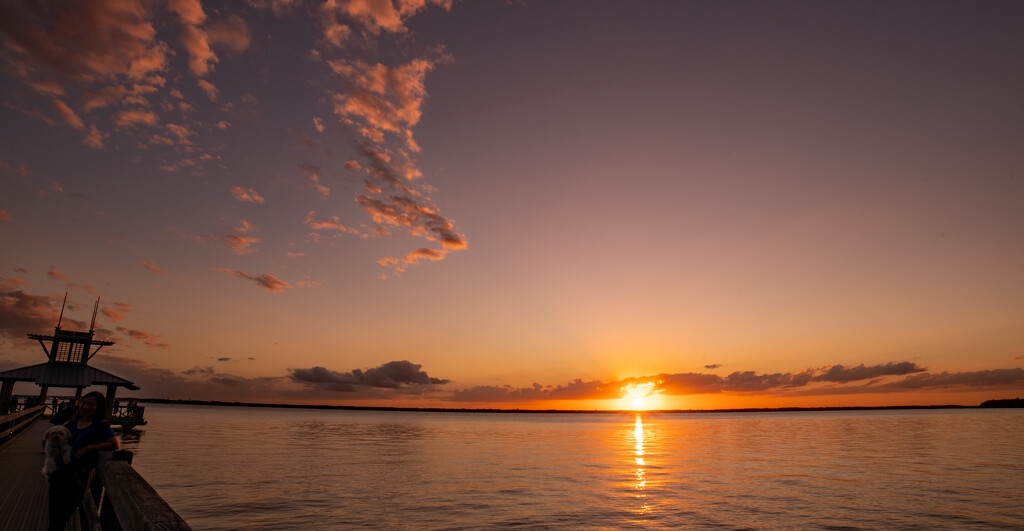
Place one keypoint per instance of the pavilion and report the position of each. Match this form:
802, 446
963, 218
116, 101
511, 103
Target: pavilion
67, 366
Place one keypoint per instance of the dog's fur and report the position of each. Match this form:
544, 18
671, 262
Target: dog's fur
58, 446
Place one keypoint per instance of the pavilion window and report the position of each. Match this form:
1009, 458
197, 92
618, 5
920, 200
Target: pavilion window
63, 352
77, 349
69, 352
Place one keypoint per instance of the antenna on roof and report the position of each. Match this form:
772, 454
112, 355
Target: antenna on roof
92, 325
59, 319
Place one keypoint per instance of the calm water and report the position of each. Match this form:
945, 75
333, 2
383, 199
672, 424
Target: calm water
254, 468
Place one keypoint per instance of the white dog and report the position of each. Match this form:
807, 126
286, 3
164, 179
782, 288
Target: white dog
58, 446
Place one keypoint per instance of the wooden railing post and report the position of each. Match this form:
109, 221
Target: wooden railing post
15, 423
128, 499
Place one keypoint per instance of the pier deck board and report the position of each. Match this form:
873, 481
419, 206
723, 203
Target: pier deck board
22, 486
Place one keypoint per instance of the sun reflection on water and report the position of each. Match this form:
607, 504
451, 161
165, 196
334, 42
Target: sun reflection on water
640, 485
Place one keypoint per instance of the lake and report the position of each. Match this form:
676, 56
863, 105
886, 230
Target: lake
267, 468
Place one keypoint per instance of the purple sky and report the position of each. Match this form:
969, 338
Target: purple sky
729, 198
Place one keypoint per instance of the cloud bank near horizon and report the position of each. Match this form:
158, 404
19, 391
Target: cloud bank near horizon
407, 381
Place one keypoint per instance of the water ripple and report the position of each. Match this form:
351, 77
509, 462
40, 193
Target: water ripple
248, 468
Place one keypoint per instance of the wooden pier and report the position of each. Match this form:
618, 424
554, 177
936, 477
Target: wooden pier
118, 498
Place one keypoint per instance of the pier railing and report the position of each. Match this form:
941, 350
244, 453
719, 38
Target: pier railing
15, 423
118, 498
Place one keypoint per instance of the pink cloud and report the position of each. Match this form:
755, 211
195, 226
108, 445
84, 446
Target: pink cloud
85, 41
333, 223
383, 104
381, 99
414, 257
270, 283
190, 12
151, 266
210, 90
377, 15
414, 214
150, 340
201, 56
181, 133
22, 312
230, 33
315, 184
193, 38
243, 226
134, 117
95, 138
241, 244
4, 215
57, 275
47, 87
104, 97
112, 314
67, 114
247, 195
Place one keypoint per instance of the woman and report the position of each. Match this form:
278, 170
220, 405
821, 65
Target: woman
90, 434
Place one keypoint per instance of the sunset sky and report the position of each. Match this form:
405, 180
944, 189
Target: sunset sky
522, 204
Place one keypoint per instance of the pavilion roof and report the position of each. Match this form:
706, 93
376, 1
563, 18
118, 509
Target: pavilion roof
57, 374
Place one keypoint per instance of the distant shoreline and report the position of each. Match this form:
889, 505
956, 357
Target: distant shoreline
1010, 403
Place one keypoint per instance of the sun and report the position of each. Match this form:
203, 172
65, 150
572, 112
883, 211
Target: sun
636, 395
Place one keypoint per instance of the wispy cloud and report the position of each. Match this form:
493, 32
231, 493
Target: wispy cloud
268, 282
151, 266
95, 139
194, 39
208, 88
241, 244
112, 314
383, 103
122, 71
22, 312
329, 223
67, 114
314, 181
148, 339
231, 34
5, 216
135, 117
57, 275
247, 195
